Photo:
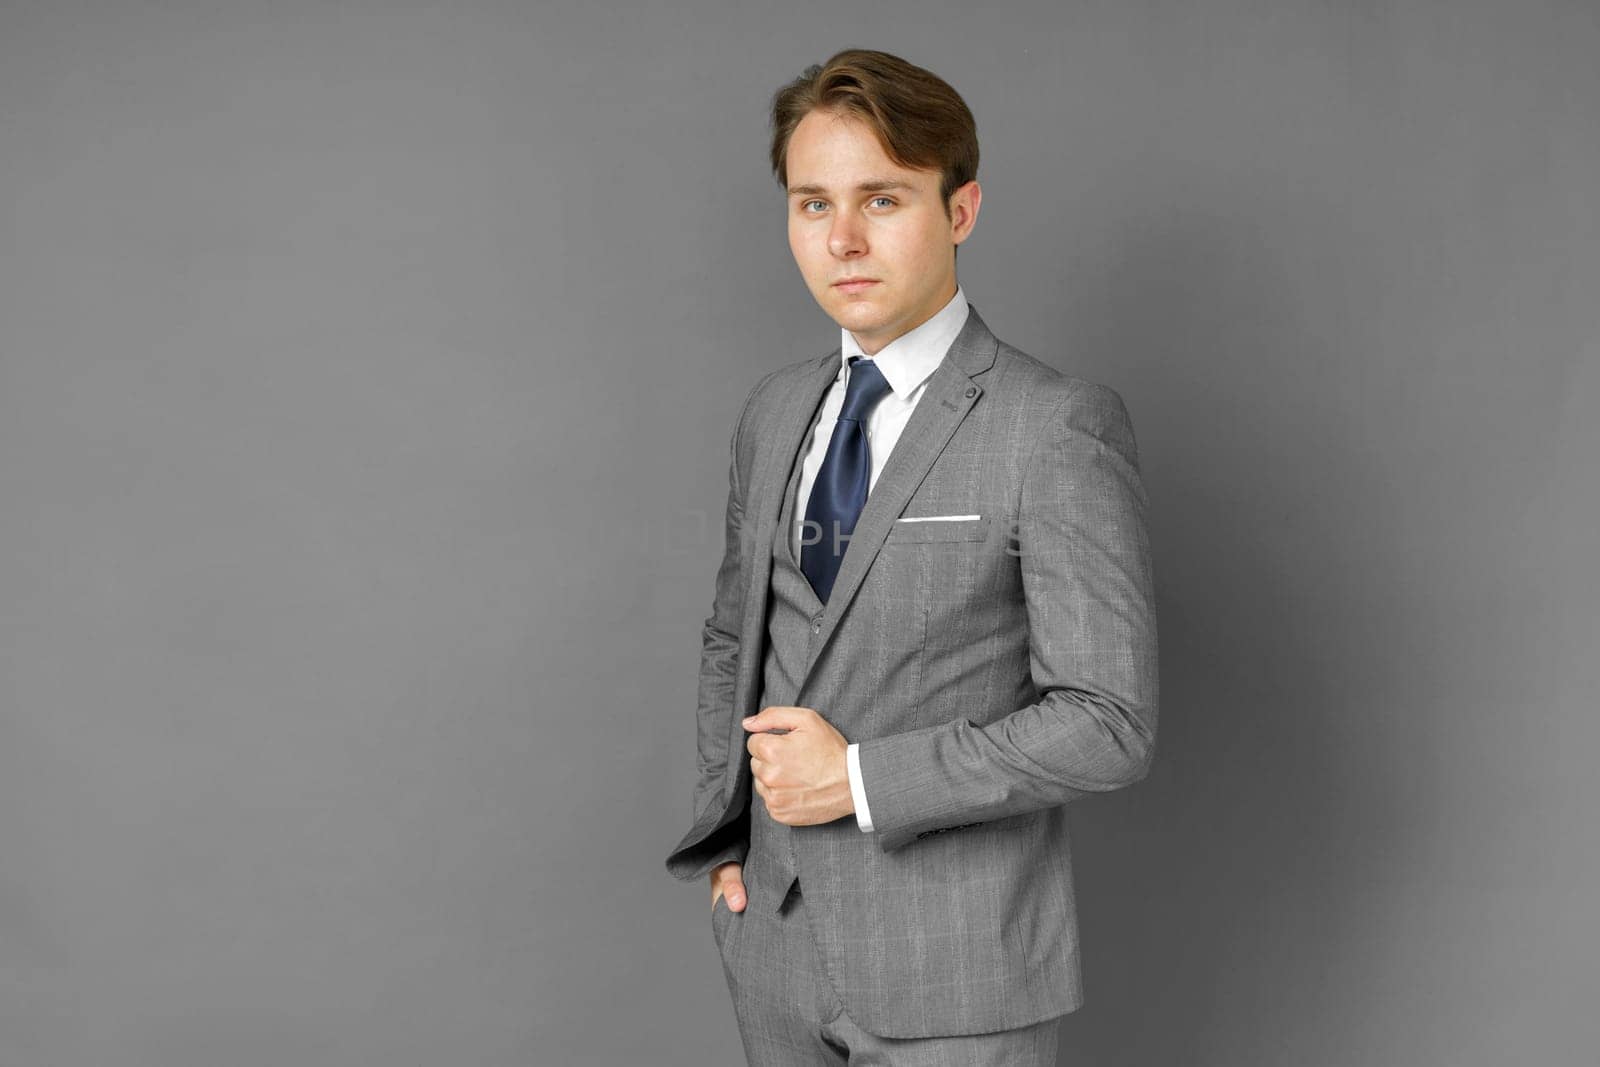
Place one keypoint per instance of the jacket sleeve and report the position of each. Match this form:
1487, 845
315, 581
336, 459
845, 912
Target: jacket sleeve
714, 838
719, 642
1084, 555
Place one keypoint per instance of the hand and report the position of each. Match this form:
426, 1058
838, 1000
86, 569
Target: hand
727, 880
798, 760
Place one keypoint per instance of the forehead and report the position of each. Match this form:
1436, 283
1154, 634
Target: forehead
829, 149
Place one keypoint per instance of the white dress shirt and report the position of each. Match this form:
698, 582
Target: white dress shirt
906, 363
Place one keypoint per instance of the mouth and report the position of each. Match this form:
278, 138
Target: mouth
855, 285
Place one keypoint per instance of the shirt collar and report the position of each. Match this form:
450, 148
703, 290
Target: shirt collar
908, 360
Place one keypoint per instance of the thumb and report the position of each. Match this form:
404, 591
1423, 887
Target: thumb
733, 889
776, 717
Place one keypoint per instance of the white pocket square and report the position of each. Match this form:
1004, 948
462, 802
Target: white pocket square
937, 518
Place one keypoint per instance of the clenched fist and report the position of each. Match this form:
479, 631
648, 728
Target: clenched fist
798, 760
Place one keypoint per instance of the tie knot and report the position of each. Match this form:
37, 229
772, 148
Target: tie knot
866, 387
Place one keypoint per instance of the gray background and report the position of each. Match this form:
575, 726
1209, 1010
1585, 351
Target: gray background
366, 374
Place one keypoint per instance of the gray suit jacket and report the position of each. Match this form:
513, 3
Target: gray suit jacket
992, 670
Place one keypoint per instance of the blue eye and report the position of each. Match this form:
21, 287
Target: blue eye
885, 198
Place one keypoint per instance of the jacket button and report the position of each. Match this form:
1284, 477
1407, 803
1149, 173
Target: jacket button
972, 391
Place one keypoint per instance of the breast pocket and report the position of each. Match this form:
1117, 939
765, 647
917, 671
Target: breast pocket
941, 556
913, 529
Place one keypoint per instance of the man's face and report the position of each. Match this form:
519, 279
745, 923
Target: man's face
854, 213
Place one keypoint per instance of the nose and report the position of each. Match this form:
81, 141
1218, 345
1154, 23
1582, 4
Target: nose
847, 237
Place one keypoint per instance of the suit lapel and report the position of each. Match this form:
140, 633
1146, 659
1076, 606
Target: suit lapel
950, 394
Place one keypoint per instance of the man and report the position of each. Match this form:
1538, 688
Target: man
933, 624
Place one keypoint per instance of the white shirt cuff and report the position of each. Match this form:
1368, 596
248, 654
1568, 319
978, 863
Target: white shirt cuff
852, 763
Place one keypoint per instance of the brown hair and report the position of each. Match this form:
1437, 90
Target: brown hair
922, 123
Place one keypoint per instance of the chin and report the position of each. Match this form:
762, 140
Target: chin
856, 308
866, 324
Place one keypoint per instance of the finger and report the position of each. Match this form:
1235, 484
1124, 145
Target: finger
778, 715
762, 771
730, 888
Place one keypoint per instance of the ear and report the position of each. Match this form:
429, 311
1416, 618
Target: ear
964, 204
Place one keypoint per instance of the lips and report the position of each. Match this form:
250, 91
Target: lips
855, 285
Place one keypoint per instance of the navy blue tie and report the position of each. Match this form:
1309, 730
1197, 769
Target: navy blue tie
841, 486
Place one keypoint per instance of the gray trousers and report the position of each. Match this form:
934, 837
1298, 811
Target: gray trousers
789, 1016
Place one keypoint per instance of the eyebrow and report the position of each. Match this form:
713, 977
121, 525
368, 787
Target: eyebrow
871, 185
